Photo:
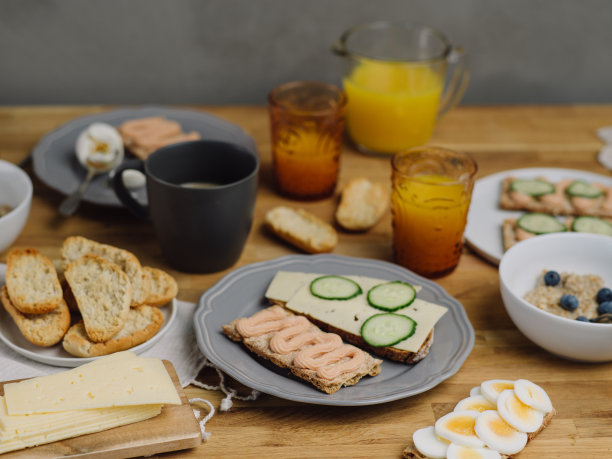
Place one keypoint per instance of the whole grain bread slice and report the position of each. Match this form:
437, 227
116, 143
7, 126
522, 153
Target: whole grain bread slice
75, 247
163, 287
32, 282
102, 292
411, 452
40, 329
260, 345
142, 323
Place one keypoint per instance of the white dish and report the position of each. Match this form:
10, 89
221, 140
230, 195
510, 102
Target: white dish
483, 232
56, 355
16, 192
579, 253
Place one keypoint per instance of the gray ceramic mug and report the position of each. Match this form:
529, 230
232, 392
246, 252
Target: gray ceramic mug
201, 199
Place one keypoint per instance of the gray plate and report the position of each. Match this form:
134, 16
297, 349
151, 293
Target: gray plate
55, 161
241, 294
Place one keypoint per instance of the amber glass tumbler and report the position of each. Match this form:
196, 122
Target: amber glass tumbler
307, 124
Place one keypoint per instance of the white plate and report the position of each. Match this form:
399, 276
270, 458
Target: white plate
483, 232
56, 355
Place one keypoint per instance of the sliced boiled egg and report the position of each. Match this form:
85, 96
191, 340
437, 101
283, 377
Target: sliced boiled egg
476, 403
497, 434
458, 427
517, 414
464, 452
429, 444
475, 391
492, 388
532, 395
99, 143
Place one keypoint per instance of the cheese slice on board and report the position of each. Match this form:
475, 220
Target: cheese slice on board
117, 380
349, 315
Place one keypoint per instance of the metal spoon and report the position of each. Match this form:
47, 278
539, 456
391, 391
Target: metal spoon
70, 204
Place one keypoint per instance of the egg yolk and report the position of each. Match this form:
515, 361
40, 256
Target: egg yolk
499, 387
480, 407
466, 453
462, 425
519, 408
501, 428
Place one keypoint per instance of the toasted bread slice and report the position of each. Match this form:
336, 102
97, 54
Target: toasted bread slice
362, 204
302, 229
102, 292
32, 282
163, 287
39, 329
260, 345
75, 247
411, 452
141, 324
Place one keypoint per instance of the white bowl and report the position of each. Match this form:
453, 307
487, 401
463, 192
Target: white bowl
15, 191
580, 253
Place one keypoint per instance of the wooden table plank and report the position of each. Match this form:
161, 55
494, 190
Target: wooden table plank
499, 138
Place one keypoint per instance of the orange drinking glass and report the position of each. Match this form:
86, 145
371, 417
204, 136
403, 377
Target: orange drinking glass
307, 124
432, 189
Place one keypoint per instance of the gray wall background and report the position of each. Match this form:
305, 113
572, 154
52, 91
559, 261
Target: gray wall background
235, 51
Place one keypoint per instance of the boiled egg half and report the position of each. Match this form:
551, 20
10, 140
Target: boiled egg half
492, 388
497, 434
463, 452
476, 403
458, 427
429, 444
532, 395
517, 414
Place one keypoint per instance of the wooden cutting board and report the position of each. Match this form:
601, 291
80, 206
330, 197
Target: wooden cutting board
173, 429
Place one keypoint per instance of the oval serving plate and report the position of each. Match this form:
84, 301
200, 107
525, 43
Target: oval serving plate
55, 162
56, 355
241, 294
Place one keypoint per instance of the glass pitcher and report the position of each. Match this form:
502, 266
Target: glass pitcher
395, 79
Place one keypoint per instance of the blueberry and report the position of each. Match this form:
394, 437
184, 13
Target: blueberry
605, 294
552, 278
569, 302
605, 308
582, 319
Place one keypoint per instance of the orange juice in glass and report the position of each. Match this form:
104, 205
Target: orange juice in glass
306, 125
394, 80
432, 189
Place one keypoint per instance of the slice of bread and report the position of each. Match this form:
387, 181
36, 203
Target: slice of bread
163, 287
32, 282
141, 324
102, 292
260, 345
75, 247
362, 204
39, 329
302, 229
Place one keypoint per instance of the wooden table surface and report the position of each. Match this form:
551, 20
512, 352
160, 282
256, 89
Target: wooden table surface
499, 138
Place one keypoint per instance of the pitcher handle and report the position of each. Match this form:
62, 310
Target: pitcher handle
458, 82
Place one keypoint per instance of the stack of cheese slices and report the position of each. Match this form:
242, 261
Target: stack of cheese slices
495, 421
112, 391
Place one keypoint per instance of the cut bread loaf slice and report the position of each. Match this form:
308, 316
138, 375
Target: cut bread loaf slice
75, 247
163, 287
32, 282
362, 204
40, 329
141, 324
102, 292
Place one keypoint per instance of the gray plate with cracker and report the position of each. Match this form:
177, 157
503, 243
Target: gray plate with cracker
56, 355
55, 161
241, 294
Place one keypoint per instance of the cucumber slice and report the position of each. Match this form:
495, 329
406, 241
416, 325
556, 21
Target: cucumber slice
532, 187
334, 288
387, 329
538, 223
583, 190
592, 225
391, 296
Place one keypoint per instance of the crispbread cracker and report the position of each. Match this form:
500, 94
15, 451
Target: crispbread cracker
362, 204
302, 229
102, 292
141, 324
260, 345
32, 282
410, 452
163, 286
75, 247
40, 329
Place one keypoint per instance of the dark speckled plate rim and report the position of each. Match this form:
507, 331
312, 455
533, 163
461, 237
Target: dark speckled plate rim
226, 300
